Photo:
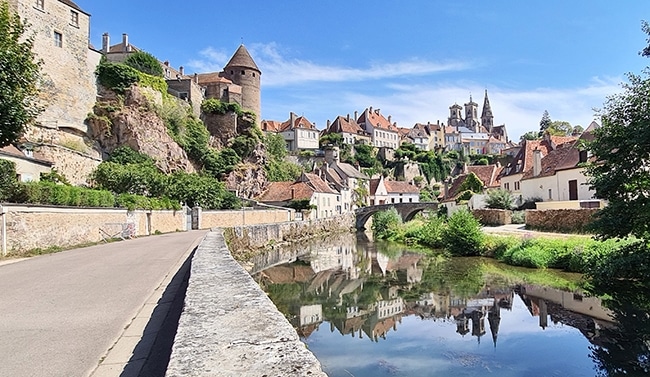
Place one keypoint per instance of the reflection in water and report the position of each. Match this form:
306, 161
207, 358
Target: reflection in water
366, 291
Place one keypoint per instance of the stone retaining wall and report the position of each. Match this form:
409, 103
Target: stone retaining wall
30, 227
229, 326
493, 216
559, 220
244, 217
259, 236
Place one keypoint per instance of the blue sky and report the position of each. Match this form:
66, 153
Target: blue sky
411, 59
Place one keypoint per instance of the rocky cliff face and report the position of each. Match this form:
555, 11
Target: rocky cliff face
249, 178
135, 123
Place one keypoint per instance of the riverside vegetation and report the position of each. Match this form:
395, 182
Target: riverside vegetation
460, 235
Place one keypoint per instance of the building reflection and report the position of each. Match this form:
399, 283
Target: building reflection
364, 293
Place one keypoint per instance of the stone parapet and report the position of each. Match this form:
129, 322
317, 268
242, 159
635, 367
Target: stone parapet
493, 216
560, 220
229, 326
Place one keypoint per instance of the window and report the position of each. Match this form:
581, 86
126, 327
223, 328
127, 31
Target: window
517, 186
550, 193
58, 39
74, 18
243, 72
40, 4
506, 185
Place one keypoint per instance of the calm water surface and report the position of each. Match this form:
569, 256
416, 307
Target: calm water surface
369, 309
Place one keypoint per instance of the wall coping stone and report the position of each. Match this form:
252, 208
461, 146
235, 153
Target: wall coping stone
229, 326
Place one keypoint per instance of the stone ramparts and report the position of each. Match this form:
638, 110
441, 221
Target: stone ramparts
229, 326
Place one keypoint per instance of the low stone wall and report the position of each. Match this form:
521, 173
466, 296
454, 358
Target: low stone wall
559, 220
25, 228
259, 236
493, 216
229, 326
243, 217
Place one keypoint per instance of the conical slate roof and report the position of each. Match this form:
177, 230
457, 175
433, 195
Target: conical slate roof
242, 58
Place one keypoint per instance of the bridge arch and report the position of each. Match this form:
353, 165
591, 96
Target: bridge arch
406, 211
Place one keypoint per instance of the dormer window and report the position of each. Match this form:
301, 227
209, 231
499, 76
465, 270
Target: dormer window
28, 153
40, 4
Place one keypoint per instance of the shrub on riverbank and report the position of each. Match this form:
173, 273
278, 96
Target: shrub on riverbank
461, 235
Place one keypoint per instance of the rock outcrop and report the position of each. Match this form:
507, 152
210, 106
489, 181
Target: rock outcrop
249, 178
136, 124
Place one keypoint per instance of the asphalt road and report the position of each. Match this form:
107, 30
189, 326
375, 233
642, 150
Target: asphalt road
60, 313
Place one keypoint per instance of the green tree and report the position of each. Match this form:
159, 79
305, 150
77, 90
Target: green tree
8, 182
19, 76
145, 63
560, 128
499, 199
530, 135
331, 139
620, 170
545, 122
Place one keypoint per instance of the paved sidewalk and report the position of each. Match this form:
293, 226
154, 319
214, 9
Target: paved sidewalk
60, 314
520, 230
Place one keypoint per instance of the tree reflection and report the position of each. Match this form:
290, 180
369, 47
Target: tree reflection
622, 280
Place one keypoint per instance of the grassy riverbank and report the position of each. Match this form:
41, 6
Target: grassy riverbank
461, 235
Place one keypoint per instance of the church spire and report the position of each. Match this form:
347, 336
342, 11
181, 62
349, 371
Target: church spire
487, 119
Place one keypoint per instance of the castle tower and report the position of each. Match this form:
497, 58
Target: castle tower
471, 114
487, 119
242, 70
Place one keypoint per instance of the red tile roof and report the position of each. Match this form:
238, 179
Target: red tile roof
207, 78
523, 161
271, 126
488, 174
376, 119
399, 187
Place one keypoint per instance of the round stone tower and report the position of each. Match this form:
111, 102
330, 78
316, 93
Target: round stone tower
242, 70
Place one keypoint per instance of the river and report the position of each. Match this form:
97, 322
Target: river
366, 308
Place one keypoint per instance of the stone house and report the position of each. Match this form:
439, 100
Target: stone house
29, 164
298, 132
353, 185
559, 175
383, 132
522, 163
68, 90
383, 191
349, 130
417, 136
308, 186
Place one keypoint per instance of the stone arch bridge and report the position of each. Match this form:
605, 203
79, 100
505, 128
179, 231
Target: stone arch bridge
406, 210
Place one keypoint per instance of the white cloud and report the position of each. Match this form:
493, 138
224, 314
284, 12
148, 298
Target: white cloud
279, 70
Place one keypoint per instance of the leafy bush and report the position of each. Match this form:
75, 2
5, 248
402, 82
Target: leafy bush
499, 199
496, 245
214, 106
463, 235
49, 193
125, 155
145, 63
385, 223
115, 76
518, 217
432, 232
8, 182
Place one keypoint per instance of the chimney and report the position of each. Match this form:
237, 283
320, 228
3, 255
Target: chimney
181, 70
166, 63
356, 116
348, 118
389, 117
328, 124
106, 43
370, 109
292, 119
537, 162
125, 43
196, 77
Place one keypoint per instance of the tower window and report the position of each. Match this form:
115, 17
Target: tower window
243, 72
74, 18
58, 39
232, 72
253, 74
40, 4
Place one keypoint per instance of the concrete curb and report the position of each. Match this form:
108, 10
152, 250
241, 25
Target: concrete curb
141, 331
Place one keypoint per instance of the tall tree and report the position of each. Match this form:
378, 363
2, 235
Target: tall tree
620, 172
19, 76
545, 122
560, 128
